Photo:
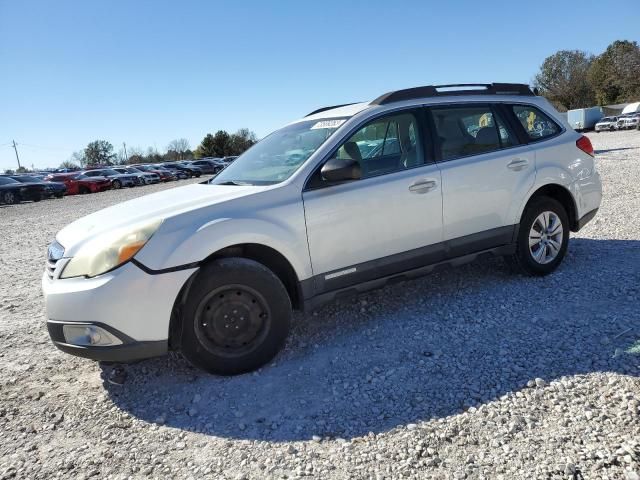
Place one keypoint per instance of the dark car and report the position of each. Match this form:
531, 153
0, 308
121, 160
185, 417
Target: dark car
77, 183
12, 191
189, 170
209, 166
165, 174
52, 189
179, 174
118, 180
145, 178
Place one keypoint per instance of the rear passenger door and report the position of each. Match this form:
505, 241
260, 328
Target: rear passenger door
485, 172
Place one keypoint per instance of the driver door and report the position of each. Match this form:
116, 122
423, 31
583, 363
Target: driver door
389, 220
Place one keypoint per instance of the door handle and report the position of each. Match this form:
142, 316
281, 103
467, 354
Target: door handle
518, 164
422, 186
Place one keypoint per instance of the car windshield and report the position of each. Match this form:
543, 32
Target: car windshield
278, 156
7, 181
80, 177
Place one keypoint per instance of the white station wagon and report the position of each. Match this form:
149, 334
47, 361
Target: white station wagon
346, 199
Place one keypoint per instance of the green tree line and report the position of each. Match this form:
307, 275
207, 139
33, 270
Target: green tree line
577, 79
220, 144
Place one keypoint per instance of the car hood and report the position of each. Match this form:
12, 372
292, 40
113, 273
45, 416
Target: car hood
160, 205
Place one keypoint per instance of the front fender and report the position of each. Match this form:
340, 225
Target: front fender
176, 245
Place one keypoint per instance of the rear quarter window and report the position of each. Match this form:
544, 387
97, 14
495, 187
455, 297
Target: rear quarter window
536, 123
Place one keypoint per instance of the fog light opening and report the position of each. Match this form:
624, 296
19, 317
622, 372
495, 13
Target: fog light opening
89, 336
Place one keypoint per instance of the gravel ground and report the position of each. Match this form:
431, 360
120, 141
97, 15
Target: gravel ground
468, 373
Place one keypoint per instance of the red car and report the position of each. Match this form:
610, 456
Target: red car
78, 183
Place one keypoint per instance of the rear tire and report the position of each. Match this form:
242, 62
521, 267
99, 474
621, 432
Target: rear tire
83, 190
236, 317
116, 184
543, 237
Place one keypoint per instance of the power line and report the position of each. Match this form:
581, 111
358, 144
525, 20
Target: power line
29, 145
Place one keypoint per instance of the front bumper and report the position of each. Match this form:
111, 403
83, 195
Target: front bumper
129, 351
132, 305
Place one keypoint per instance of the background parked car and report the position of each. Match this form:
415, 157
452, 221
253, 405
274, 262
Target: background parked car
632, 121
191, 171
52, 189
164, 174
145, 178
208, 166
621, 120
78, 183
179, 174
118, 180
607, 124
12, 191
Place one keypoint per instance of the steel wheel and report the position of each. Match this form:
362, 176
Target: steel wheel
232, 320
545, 237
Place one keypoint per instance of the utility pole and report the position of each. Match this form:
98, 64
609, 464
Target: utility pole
16, 149
126, 157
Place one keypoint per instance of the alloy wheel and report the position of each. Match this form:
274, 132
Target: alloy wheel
545, 237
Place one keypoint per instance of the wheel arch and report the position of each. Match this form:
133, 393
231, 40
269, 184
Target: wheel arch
265, 255
562, 195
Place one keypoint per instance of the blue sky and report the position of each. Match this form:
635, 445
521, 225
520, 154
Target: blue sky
146, 72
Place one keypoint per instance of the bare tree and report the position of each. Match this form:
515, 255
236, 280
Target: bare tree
78, 158
180, 146
68, 164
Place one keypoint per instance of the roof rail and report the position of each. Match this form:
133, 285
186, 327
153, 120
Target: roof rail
323, 109
454, 89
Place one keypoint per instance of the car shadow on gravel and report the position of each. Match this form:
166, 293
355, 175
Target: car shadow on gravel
412, 352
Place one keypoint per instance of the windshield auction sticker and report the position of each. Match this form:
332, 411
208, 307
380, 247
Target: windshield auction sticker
328, 124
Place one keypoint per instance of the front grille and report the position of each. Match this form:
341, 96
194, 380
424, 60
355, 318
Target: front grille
51, 268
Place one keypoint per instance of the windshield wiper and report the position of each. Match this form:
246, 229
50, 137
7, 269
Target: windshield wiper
233, 182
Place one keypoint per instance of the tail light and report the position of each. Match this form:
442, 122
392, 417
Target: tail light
584, 144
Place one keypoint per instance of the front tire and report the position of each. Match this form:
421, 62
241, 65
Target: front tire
543, 238
236, 317
10, 198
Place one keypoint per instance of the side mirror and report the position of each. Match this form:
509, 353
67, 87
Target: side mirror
341, 169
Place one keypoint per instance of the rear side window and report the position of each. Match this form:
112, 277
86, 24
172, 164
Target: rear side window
470, 130
536, 124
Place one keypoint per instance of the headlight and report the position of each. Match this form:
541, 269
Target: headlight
109, 250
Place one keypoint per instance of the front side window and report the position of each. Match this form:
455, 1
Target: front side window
276, 157
385, 145
470, 130
536, 124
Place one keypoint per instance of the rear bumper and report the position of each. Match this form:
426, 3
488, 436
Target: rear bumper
129, 351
